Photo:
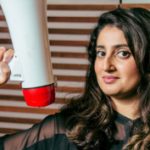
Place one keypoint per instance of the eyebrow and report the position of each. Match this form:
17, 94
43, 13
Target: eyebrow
115, 46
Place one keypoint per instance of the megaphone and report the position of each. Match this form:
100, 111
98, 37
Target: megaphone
27, 23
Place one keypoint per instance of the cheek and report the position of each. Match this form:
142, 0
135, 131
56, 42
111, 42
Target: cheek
97, 67
130, 70
133, 68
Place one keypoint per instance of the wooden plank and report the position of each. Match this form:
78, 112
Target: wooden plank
70, 66
61, 100
69, 89
11, 97
68, 43
94, 7
69, 54
9, 130
28, 110
19, 120
73, 19
70, 78
5, 41
69, 31
11, 86
2, 18
4, 29
140, 5
81, 7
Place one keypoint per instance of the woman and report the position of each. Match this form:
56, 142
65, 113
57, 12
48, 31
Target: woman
113, 112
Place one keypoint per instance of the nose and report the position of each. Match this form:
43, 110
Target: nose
108, 64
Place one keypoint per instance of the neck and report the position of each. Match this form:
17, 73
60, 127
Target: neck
127, 107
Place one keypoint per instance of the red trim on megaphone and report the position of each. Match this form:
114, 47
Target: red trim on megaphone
39, 96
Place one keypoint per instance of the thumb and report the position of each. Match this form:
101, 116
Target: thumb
4, 72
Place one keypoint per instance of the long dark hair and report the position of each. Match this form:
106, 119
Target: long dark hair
89, 118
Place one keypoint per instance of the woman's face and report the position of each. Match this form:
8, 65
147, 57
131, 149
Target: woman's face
115, 67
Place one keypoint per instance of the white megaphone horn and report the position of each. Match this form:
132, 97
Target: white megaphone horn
27, 23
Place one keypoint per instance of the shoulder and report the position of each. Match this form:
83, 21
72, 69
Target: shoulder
52, 124
47, 129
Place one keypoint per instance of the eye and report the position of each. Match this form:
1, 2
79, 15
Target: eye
100, 53
123, 54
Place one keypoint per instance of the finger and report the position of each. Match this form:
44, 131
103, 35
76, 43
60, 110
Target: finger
8, 55
4, 72
2, 51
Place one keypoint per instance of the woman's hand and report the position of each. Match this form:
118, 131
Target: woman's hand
5, 58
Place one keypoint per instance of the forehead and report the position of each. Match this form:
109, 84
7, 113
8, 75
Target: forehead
111, 35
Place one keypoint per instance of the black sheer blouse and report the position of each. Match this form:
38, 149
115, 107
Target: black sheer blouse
50, 135
125, 129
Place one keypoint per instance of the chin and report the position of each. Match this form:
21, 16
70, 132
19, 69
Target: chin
110, 92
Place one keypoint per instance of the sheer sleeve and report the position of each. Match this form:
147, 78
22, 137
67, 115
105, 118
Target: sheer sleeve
50, 126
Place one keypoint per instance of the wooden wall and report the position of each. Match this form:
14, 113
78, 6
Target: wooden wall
69, 29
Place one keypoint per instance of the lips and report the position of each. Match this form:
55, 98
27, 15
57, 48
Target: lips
109, 79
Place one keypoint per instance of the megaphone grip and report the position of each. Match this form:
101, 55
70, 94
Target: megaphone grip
39, 96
